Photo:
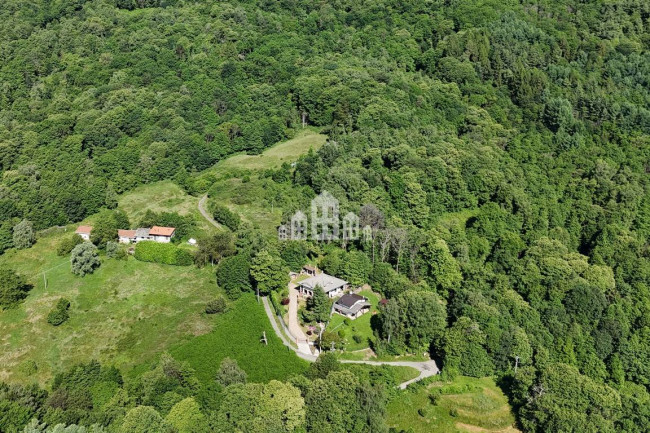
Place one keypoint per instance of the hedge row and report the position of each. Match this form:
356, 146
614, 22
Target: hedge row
167, 254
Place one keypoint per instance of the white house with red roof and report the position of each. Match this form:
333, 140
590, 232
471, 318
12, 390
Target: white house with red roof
84, 232
162, 234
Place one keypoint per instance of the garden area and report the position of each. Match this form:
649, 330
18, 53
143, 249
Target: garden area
356, 334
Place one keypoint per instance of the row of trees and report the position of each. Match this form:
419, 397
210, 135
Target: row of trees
169, 398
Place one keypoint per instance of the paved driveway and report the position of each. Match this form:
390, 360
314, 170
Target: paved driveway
294, 327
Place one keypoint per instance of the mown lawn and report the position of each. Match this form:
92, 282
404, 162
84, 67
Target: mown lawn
464, 405
237, 334
360, 326
125, 314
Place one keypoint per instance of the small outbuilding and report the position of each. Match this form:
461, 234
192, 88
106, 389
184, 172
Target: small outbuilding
352, 306
309, 270
84, 232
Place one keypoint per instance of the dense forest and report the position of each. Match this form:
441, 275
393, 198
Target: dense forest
498, 149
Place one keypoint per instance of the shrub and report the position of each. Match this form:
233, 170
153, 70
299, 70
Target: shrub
453, 412
422, 412
347, 321
341, 333
357, 338
67, 245
28, 367
229, 373
285, 301
115, 251
224, 216
167, 254
59, 313
216, 306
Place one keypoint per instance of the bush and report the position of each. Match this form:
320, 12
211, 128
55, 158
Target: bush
224, 216
167, 254
115, 251
216, 306
285, 301
24, 236
422, 412
67, 245
357, 338
59, 313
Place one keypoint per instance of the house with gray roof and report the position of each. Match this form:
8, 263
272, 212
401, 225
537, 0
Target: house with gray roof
332, 286
352, 306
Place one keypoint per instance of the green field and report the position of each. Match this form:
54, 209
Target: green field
237, 335
360, 326
464, 405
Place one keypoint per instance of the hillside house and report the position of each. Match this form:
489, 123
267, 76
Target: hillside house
352, 306
84, 232
332, 286
155, 233
162, 234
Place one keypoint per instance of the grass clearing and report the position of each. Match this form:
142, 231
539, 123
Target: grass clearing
464, 405
273, 157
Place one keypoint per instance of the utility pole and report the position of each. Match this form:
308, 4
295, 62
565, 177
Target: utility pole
516, 363
264, 338
45, 280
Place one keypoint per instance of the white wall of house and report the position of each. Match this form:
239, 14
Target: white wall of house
124, 240
162, 239
84, 236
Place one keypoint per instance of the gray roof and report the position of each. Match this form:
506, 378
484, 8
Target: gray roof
327, 282
142, 232
351, 304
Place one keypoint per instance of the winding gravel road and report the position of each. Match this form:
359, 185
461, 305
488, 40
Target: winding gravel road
426, 368
206, 214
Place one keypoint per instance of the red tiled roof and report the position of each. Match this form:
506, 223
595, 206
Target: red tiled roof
84, 229
126, 233
161, 231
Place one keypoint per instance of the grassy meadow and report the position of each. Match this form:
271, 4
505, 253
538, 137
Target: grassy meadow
464, 405
163, 196
125, 313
